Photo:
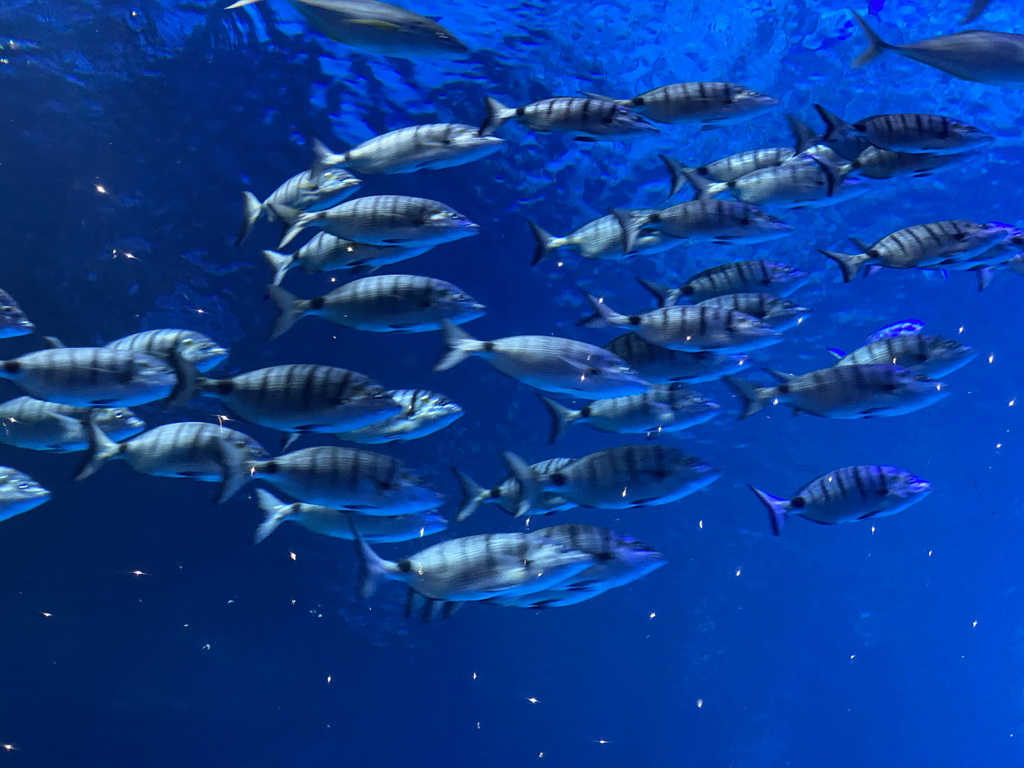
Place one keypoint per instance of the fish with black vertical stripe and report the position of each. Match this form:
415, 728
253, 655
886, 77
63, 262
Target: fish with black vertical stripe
580, 117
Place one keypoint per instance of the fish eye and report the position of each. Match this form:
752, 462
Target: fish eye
594, 371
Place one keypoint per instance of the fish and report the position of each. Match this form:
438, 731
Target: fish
626, 477
931, 356
38, 425
722, 222
416, 148
188, 449
704, 103
976, 55
199, 350
13, 320
875, 163
388, 220
688, 328
977, 8
667, 366
600, 238
348, 478
902, 328
315, 190
922, 245
901, 132
778, 313
327, 253
756, 276
93, 376
581, 118
19, 493
339, 524
509, 495
847, 495
303, 398
727, 168
377, 27
424, 413
381, 303
671, 408
548, 363
845, 392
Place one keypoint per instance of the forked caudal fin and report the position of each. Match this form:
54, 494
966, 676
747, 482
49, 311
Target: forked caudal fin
460, 346
778, 509
275, 511
876, 45
748, 393
280, 263
529, 490
372, 567
472, 495
101, 450
290, 308
497, 115
252, 209
545, 243
850, 263
603, 317
561, 418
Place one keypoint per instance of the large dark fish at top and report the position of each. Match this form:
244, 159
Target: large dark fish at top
376, 27
996, 58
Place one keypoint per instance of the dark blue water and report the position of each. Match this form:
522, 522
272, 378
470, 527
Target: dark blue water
133, 128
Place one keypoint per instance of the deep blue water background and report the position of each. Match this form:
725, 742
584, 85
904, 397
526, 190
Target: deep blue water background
895, 644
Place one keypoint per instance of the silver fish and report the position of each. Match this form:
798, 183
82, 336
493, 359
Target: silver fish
19, 493
845, 392
424, 413
702, 103
381, 303
509, 495
327, 253
13, 320
667, 366
338, 524
347, 478
777, 313
600, 238
548, 363
735, 277
996, 58
688, 328
727, 168
416, 148
304, 398
582, 118
660, 409
41, 426
875, 163
717, 221
847, 495
388, 220
202, 352
931, 356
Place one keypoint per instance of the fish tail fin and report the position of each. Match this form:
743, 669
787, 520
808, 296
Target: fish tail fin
603, 317
984, 277
804, 136
302, 222
703, 189
835, 126
460, 346
977, 8
186, 380
280, 263
850, 263
657, 290
876, 45
323, 158
676, 174
233, 474
240, 4
101, 450
372, 567
252, 209
275, 511
497, 115
748, 393
472, 495
529, 490
546, 242
631, 226
561, 418
290, 307
778, 509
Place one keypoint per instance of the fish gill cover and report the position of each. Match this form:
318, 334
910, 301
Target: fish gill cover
143, 627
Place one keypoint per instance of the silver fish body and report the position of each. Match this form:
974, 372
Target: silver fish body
729, 168
42, 426
802, 182
423, 413
755, 276
778, 313
875, 163
508, 494
13, 320
704, 103
713, 220
583, 118
327, 253
199, 350
417, 148
602, 239
19, 493
659, 365
931, 356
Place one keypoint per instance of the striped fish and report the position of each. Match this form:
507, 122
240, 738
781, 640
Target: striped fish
13, 320
327, 253
629, 476
347, 478
388, 220
548, 363
600, 238
931, 356
875, 163
777, 313
727, 168
509, 495
381, 303
702, 103
41, 426
901, 132
202, 352
423, 413
723, 222
847, 495
938, 244
845, 392
304, 398
688, 328
416, 148
582, 118
339, 524
736, 277
19, 493
667, 366
661, 409
188, 449
92, 376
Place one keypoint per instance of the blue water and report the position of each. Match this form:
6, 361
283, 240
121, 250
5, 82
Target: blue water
133, 128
